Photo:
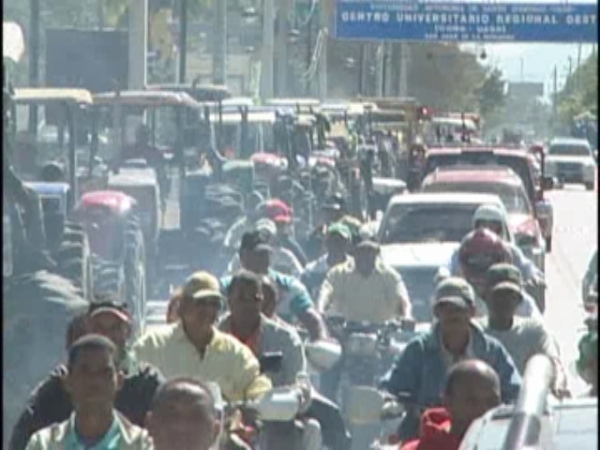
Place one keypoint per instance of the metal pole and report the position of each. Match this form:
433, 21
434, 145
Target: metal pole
138, 43
308, 54
220, 43
554, 95
282, 43
183, 40
361, 69
34, 59
322, 68
268, 40
403, 75
578, 63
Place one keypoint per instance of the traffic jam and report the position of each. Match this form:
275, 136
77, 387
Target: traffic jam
188, 269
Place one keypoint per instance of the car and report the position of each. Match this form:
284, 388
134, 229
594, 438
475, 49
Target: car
523, 162
569, 424
505, 183
420, 232
571, 160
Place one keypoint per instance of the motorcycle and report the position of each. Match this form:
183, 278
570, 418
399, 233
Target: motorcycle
368, 352
245, 422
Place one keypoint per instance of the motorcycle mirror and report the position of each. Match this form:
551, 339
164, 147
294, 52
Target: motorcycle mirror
279, 404
270, 362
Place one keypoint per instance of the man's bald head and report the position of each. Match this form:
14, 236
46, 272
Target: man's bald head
472, 389
185, 388
468, 370
183, 416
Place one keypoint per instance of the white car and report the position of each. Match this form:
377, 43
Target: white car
571, 160
418, 234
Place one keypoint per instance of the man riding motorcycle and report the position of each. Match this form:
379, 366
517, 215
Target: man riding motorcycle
255, 256
493, 218
246, 322
420, 371
480, 250
338, 243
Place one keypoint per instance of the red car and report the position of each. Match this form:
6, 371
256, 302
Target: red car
505, 183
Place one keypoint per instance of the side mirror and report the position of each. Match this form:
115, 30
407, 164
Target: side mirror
547, 183
270, 362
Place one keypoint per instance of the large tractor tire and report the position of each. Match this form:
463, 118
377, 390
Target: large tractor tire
37, 309
73, 260
135, 274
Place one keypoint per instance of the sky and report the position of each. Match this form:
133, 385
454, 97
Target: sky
535, 62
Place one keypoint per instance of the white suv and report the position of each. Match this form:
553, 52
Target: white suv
571, 160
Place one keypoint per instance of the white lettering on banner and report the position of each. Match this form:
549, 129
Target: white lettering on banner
352, 16
462, 19
586, 19
517, 19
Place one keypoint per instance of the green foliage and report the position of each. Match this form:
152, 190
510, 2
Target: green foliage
440, 75
491, 94
580, 93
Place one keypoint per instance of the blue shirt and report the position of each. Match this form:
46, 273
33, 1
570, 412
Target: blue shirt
421, 369
110, 441
294, 298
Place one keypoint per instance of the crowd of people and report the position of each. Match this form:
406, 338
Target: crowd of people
117, 391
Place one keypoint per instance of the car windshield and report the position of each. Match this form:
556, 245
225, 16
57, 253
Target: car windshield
569, 150
420, 284
513, 197
427, 223
519, 164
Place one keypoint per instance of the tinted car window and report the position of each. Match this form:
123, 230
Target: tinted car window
427, 223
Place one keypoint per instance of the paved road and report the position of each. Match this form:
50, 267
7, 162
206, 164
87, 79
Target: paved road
575, 240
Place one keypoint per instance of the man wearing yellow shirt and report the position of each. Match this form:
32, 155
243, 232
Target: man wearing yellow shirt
365, 290
193, 347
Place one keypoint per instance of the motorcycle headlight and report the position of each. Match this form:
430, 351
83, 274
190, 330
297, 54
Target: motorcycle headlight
362, 344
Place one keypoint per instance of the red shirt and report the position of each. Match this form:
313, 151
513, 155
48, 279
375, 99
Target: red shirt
435, 432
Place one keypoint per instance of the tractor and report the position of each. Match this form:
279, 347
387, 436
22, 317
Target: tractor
49, 166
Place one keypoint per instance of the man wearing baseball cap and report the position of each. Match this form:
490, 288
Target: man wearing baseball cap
522, 337
50, 403
338, 241
283, 260
194, 347
282, 216
421, 369
365, 288
255, 256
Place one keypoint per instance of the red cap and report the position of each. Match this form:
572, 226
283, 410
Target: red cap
278, 211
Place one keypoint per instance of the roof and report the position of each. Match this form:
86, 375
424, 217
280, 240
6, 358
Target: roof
443, 197
130, 177
150, 99
568, 141
253, 117
13, 45
470, 174
42, 95
473, 149
200, 92
49, 189
238, 101
109, 198
293, 102
469, 124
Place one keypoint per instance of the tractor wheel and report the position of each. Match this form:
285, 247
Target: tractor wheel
74, 245
135, 274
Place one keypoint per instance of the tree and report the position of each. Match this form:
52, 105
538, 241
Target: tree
491, 94
580, 93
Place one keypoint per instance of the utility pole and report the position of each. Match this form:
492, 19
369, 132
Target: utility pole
578, 64
554, 96
361, 69
403, 76
138, 43
323, 13
282, 46
220, 43
268, 41
100, 13
309, 51
34, 59
379, 66
182, 40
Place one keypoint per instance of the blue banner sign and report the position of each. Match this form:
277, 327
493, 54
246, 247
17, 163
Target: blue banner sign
406, 20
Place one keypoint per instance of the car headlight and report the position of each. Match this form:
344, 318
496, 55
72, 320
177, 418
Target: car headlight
362, 344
